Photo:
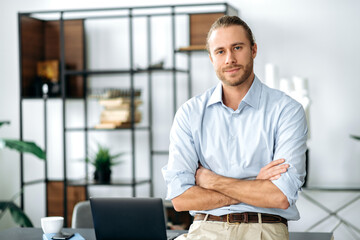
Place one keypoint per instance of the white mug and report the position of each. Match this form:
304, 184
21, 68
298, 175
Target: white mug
52, 224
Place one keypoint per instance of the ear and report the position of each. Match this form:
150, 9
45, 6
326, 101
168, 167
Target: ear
210, 58
254, 50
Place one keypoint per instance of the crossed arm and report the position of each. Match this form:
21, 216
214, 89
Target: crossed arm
214, 191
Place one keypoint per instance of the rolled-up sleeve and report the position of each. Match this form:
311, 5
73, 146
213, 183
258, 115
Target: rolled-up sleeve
179, 173
290, 144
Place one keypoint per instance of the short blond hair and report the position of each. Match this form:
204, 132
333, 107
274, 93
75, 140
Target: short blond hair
226, 21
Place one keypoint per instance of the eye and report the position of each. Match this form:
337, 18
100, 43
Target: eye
238, 48
220, 52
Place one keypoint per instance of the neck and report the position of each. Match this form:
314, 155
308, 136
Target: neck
233, 95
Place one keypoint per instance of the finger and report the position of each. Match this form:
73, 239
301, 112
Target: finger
281, 168
275, 177
277, 167
279, 171
275, 171
274, 163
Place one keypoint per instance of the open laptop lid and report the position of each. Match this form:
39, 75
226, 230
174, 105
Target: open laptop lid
128, 218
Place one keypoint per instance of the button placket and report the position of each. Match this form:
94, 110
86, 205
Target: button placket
233, 132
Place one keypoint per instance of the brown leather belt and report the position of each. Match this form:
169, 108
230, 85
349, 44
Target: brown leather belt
247, 217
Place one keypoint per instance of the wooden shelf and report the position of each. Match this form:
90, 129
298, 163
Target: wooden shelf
121, 71
114, 182
55, 198
192, 48
40, 41
79, 129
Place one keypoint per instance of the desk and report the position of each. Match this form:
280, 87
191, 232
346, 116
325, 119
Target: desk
89, 234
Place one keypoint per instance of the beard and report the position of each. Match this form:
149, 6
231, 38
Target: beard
242, 75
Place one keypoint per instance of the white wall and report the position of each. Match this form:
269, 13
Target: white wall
317, 40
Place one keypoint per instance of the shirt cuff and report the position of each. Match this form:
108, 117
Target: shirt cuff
177, 182
289, 187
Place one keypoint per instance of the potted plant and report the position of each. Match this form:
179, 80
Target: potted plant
355, 137
103, 160
17, 213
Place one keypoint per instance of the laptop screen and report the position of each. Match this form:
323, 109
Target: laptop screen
128, 218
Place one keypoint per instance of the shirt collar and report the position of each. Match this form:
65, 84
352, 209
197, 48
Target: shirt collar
216, 96
252, 97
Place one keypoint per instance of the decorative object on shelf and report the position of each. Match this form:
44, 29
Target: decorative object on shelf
48, 74
296, 88
154, 66
103, 161
271, 75
106, 93
48, 69
158, 65
118, 111
17, 213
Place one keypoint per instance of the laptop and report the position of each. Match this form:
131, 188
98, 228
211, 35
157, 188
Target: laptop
130, 219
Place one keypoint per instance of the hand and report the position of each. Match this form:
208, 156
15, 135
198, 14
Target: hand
205, 177
273, 170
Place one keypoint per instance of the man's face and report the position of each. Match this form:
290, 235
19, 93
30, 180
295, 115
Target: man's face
232, 55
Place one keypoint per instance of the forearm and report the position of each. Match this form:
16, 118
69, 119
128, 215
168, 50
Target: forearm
259, 193
198, 198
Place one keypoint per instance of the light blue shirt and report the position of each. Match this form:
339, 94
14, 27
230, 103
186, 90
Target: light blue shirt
267, 125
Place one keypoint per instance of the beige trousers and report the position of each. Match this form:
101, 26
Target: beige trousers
208, 230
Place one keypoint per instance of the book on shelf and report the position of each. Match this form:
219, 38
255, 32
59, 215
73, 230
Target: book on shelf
117, 113
118, 116
105, 126
120, 102
106, 93
112, 125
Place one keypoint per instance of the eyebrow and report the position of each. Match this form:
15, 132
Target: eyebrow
232, 45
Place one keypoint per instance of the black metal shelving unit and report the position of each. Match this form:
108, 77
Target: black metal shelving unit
130, 13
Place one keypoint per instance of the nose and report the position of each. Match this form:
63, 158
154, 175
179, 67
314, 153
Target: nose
230, 58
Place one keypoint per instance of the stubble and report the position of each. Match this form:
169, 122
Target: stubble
243, 74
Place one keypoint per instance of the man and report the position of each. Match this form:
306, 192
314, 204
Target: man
237, 152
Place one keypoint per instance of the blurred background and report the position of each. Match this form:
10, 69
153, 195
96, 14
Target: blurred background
315, 41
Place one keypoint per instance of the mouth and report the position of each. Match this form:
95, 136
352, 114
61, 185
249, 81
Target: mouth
232, 70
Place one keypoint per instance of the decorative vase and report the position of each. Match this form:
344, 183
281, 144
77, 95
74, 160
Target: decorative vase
102, 176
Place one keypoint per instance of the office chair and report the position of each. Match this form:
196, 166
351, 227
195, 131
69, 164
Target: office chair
82, 217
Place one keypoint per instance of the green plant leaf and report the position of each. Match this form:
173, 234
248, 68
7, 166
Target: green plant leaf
116, 163
4, 122
355, 137
102, 159
17, 214
117, 155
23, 146
3, 206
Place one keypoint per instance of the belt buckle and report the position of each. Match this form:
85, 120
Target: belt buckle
243, 219
246, 217
230, 219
